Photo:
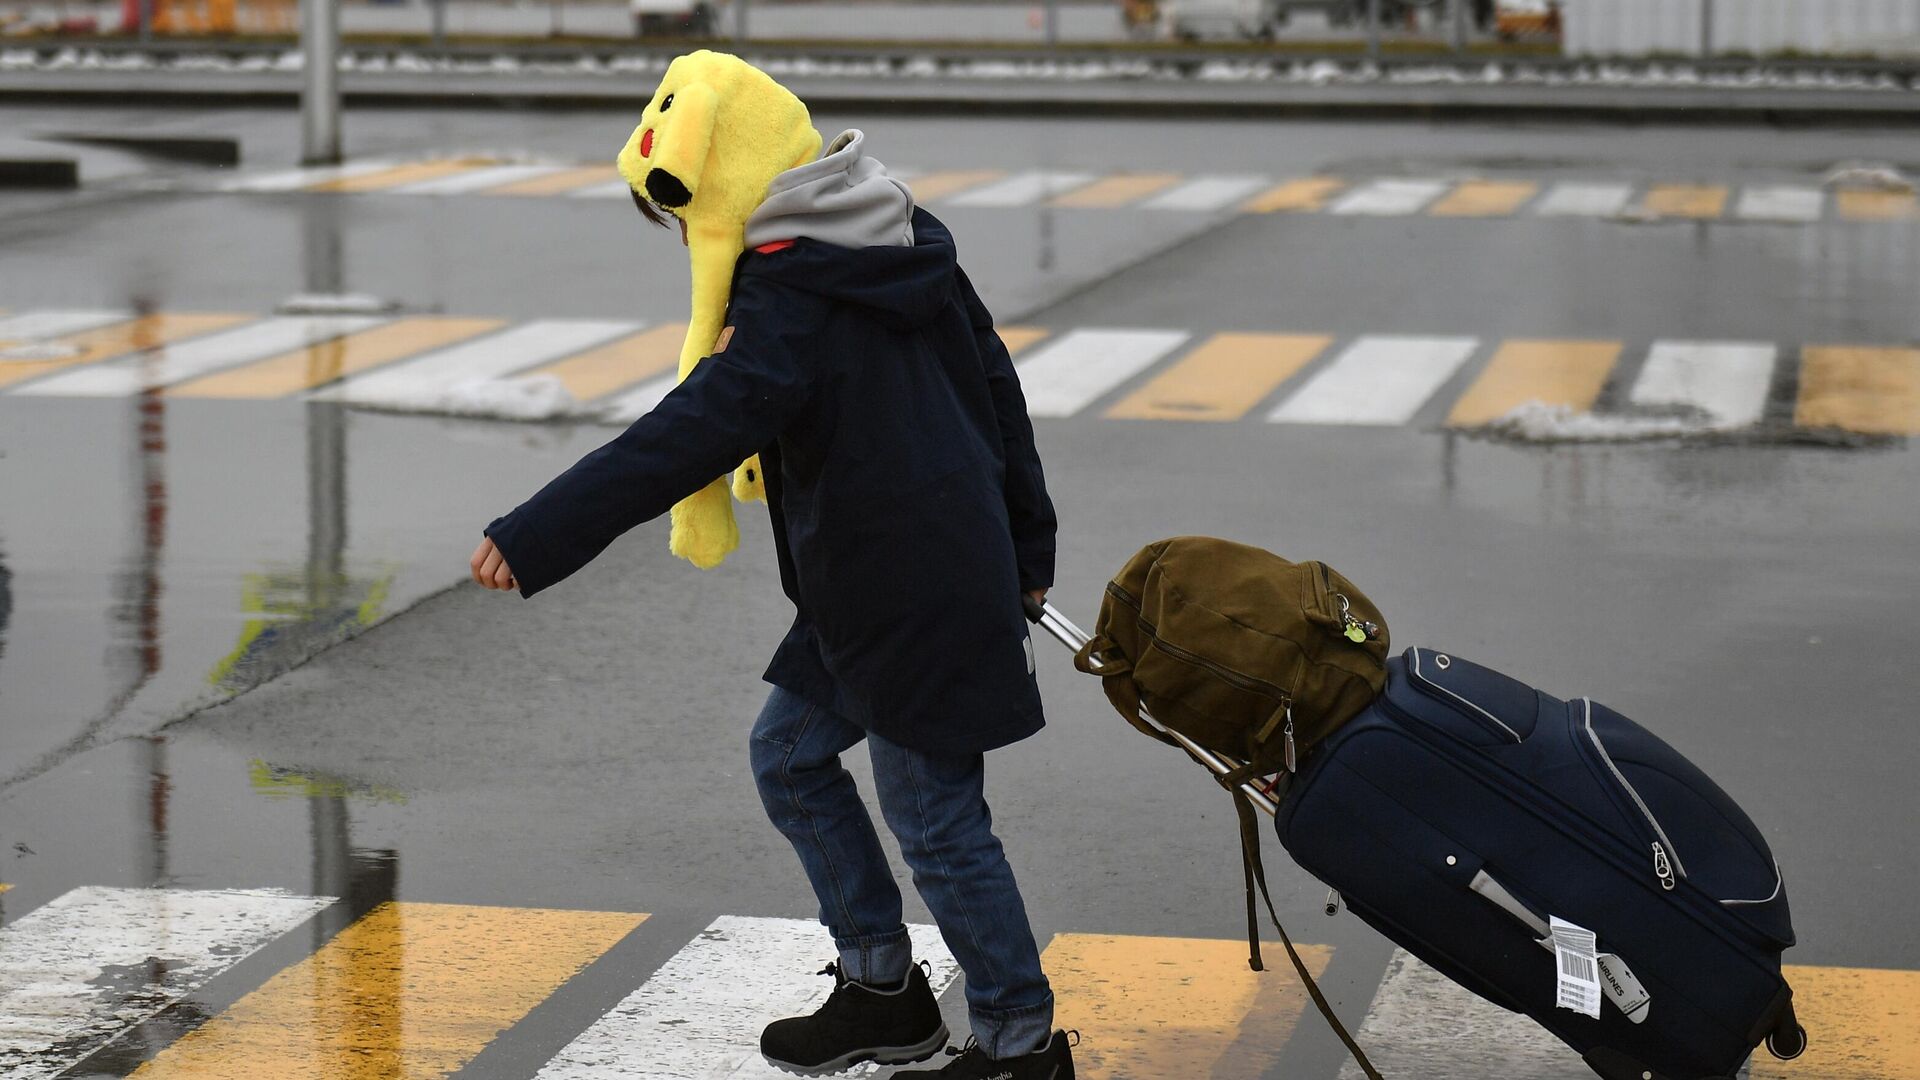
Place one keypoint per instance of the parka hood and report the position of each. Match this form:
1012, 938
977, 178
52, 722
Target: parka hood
844, 198
904, 286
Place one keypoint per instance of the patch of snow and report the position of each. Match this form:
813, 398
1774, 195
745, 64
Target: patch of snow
524, 397
39, 350
334, 304
1870, 175
1537, 422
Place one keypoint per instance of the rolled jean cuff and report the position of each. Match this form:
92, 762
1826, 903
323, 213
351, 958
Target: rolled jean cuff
877, 959
1013, 1032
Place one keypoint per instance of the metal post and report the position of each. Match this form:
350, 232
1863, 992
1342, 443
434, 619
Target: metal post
1053, 23
1460, 25
146, 21
1706, 28
320, 97
439, 24
739, 22
1373, 29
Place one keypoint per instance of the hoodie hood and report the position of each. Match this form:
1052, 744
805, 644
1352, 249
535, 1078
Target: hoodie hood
903, 286
844, 198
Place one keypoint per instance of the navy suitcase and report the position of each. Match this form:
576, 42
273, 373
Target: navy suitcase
1464, 809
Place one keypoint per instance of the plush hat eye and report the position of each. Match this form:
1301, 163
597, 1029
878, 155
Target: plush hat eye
666, 103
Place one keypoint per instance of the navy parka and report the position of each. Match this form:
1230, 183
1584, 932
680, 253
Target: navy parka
909, 508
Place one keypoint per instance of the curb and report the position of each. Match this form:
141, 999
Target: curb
1113, 98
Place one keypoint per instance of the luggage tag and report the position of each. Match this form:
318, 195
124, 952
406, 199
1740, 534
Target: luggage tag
1616, 980
1575, 959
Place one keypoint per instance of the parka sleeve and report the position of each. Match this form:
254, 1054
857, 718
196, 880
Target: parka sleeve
734, 404
1030, 513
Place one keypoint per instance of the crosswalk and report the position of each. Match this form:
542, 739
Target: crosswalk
420, 989
1345, 196
615, 370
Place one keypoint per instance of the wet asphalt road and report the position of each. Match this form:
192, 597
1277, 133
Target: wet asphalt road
1752, 600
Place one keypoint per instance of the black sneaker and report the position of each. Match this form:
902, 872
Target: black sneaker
859, 1023
1053, 1061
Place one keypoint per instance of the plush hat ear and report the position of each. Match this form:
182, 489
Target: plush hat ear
681, 145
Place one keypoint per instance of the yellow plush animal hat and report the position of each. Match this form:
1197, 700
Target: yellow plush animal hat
716, 133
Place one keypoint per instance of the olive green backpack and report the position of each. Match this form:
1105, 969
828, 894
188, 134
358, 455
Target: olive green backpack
1250, 656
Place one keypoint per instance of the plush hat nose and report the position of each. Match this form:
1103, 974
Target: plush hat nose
666, 189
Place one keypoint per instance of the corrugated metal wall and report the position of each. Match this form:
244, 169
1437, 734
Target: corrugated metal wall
1640, 27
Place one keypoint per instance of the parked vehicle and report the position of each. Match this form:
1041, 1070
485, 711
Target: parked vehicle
675, 18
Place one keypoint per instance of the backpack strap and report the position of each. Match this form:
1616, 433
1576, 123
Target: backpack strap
1256, 872
1100, 657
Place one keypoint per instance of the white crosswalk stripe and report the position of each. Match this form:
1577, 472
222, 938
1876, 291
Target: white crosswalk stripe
36, 325
529, 344
1070, 372
1206, 193
1585, 200
81, 969
700, 1015
294, 179
1389, 198
1726, 380
612, 189
1782, 203
1424, 1024
478, 179
1023, 189
639, 401
176, 363
1377, 380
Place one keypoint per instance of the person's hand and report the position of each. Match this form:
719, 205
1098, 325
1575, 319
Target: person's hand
1039, 596
489, 567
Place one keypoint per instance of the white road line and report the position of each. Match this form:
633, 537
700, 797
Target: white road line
1377, 380
639, 401
475, 179
294, 179
1585, 200
1206, 193
1727, 380
1068, 373
1424, 1024
1022, 189
1390, 198
1782, 203
700, 1015
612, 189
36, 325
95, 962
529, 344
176, 363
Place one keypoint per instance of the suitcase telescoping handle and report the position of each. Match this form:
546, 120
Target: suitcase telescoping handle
1049, 618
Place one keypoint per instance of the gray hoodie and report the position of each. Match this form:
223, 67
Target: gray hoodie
844, 198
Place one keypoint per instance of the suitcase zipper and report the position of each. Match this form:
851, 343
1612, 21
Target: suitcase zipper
1666, 858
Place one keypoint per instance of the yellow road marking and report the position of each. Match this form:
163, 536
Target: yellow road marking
411, 990
1686, 200
1019, 338
1118, 190
1150, 1006
1294, 196
121, 339
326, 361
558, 183
941, 184
401, 174
1569, 373
4, 886
1857, 205
1875, 390
1484, 198
618, 364
1222, 379
1860, 1024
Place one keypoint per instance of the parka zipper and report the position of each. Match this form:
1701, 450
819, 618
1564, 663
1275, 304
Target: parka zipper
1666, 858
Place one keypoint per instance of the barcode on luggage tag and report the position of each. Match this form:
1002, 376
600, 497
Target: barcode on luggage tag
1574, 948
1579, 967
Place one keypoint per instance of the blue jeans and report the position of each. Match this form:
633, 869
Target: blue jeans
937, 808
